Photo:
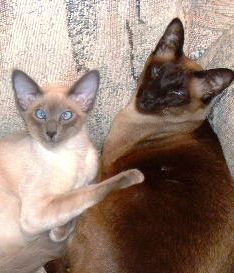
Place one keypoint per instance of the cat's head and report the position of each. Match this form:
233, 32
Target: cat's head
173, 85
54, 114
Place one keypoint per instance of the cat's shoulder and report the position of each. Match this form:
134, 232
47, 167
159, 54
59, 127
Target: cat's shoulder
15, 138
15, 147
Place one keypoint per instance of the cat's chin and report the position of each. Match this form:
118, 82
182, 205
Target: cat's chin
49, 143
52, 143
148, 109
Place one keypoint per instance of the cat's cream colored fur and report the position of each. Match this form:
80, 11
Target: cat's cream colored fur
45, 186
36, 175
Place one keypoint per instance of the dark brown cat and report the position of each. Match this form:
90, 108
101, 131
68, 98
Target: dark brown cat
182, 218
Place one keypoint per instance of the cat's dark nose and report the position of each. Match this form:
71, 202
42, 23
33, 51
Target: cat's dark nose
51, 134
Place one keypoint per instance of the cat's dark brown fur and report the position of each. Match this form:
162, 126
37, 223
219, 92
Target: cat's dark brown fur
181, 219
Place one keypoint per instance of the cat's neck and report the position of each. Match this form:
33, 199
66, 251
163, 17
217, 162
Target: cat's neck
131, 128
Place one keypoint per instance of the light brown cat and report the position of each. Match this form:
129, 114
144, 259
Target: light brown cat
45, 173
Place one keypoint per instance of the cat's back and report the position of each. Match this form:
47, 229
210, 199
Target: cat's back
179, 220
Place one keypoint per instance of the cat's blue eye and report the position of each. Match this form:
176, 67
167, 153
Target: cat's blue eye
40, 113
66, 115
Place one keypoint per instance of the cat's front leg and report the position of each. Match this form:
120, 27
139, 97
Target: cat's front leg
56, 211
60, 234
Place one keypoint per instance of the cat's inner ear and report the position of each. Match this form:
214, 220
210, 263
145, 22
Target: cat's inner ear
85, 89
26, 90
209, 83
172, 41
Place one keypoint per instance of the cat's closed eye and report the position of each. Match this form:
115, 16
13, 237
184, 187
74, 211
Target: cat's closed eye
66, 115
155, 71
40, 113
177, 92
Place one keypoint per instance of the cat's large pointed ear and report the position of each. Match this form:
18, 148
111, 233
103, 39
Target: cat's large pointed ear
172, 41
209, 83
26, 90
85, 89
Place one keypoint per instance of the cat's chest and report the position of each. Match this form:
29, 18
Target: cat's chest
62, 170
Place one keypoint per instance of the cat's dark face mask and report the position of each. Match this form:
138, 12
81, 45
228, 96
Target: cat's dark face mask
171, 82
166, 86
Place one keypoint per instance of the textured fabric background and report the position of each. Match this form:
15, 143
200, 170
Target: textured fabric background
33, 37
59, 41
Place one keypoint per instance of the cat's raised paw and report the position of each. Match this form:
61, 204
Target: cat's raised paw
131, 177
